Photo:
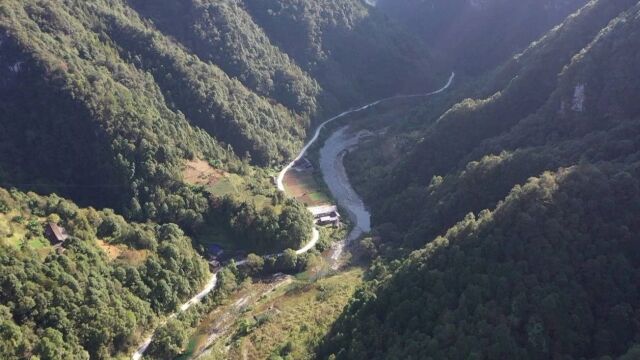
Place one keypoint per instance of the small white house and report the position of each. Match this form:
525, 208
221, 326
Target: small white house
325, 214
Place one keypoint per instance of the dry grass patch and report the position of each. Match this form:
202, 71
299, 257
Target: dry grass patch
289, 320
123, 253
133, 257
200, 172
302, 186
112, 251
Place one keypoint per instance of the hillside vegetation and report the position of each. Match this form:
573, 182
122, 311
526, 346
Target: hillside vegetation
468, 158
478, 35
354, 53
104, 101
505, 209
83, 301
522, 207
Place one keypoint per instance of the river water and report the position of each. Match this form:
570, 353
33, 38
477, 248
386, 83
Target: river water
335, 176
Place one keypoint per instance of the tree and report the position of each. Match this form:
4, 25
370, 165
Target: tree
12, 343
254, 264
288, 261
53, 347
169, 340
295, 225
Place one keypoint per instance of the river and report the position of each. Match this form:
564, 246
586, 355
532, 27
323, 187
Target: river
335, 176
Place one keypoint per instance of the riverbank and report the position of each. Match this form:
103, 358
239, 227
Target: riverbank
337, 180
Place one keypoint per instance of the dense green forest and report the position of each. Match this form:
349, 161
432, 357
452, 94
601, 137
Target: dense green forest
80, 302
454, 165
552, 272
353, 52
521, 208
505, 210
222, 32
114, 96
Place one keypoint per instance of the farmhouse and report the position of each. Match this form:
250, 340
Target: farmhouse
326, 215
55, 234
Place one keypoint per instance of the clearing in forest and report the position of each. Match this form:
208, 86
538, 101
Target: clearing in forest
123, 253
303, 186
200, 172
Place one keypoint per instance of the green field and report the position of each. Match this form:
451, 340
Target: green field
305, 187
14, 232
288, 321
11, 232
38, 243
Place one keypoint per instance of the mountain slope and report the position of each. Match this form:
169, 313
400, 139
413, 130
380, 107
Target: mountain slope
449, 147
551, 272
94, 297
92, 94
223, 33
105, 101
530, 251
355, 53
477, 35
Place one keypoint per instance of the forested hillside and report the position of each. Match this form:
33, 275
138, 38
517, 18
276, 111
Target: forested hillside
222, 32
504, 209
551, 272
462, 161
95, 296
477, 35
174, 113
354, 53
524, 208
105, 101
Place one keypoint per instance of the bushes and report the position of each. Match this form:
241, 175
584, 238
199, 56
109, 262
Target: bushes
264, 230
169, 340
79, 303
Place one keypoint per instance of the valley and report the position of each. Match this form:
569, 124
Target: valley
296, 179
335, 176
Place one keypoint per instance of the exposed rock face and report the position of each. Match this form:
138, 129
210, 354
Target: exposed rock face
12, 62
578, 98
16, 67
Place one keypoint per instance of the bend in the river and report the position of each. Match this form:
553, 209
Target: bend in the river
316, 135
331, 165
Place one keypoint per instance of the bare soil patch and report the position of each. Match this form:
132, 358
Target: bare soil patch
302, 186
123, 253
200, 172
112, 251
